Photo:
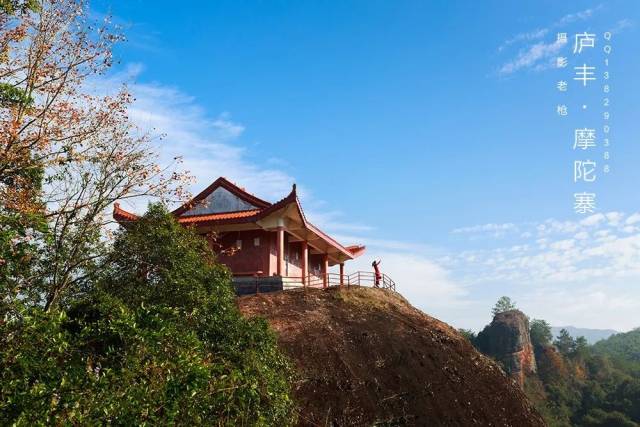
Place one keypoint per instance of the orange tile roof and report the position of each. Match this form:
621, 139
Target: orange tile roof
264, 209
217, 216
356, 250
121, 215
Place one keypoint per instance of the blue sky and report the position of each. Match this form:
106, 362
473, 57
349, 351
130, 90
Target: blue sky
426, 130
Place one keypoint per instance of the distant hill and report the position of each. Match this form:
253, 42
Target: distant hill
592, 335
367, 357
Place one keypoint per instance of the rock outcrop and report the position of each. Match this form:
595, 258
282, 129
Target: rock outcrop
366, 357
507, 340
551, 365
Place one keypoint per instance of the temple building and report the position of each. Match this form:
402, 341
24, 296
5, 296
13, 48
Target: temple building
272, 244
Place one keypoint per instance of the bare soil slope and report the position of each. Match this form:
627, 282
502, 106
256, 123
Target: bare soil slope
367, 357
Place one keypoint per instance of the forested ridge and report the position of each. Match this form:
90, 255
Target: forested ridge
577, 384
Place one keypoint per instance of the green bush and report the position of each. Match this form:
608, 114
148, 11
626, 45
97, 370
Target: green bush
157, 340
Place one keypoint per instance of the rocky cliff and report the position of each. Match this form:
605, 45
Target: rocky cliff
507, 340
367, 357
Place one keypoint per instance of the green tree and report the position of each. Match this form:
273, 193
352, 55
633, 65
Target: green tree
469, 335
503, 304
623, 347
601, 418
540, 332
565, 343
68, 152
158, 341
11, 7
156, 262
22, 221
581, 349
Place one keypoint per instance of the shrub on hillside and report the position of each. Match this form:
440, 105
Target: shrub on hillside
157, 340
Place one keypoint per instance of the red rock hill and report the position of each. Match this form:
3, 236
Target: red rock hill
507, 339
367, 357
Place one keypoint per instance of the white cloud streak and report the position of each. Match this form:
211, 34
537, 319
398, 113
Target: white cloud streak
602, 248
533, 55
537, 54
522, 37
496, 229
209, 146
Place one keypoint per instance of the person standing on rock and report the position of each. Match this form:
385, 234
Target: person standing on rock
376, 271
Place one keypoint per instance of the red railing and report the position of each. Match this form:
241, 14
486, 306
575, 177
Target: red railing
359, 278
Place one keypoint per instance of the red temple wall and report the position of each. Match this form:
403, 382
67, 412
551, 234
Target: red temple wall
251, 258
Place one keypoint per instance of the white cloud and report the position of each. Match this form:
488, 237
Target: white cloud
538, 55
528, 36
573, 260
578, 16
552, 226
386, 245
614, 218
424, 282
531, 56
633, 219
583, 235
484, 228
421, 275
593, 220
227, 129
332, 220
621, 25
602, 304
209, 146
563, 245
